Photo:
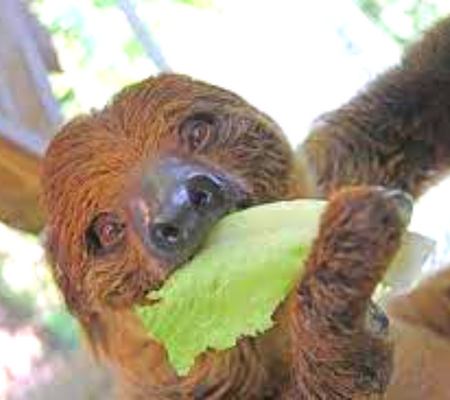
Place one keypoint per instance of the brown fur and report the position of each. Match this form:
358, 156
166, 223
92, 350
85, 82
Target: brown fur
395, 133
329, 341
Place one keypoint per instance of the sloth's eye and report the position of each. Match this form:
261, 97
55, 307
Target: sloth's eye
105, 233
199, 130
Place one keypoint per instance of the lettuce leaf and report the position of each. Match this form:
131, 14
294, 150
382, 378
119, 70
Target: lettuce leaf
247, 267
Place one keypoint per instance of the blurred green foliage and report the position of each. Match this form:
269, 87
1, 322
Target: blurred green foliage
63, 326
98, 50
197, 3
403, 19
100, 53
193, 3
38, 303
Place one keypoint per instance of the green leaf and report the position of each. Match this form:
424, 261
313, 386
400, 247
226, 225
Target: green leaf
231, 289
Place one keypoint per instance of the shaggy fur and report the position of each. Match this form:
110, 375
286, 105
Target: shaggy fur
329, 342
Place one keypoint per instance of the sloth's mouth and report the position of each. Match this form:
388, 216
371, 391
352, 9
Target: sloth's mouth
189, 255
146, 299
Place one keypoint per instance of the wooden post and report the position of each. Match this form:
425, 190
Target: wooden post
19, 177
29, 113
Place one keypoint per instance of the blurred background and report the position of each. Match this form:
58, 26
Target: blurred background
292, 59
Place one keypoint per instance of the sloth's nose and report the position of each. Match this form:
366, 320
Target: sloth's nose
191, 198
186, 214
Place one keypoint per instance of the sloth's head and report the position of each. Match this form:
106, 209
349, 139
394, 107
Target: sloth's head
132, 190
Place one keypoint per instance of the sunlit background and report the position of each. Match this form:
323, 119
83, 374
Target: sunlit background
292, 59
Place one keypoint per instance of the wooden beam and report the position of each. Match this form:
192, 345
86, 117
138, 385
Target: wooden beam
29, 113
20, 157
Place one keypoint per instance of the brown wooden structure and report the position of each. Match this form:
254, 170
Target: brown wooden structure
29, 113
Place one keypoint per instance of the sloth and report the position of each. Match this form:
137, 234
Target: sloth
132, 190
